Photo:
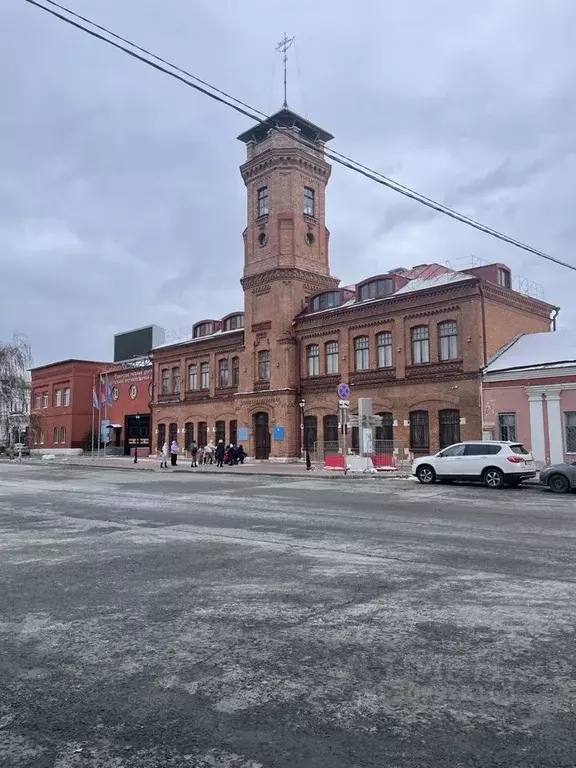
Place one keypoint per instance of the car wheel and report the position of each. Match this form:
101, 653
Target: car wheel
493, 477
426, 474
559, 484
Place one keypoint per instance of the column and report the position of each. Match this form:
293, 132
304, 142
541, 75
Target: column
555, 427
537, 440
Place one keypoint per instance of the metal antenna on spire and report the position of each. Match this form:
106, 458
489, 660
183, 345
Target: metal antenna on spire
283, 47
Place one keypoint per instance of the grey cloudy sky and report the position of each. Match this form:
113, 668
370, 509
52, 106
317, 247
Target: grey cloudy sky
120, 198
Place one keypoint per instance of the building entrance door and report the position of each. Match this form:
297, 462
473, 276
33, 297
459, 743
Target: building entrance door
261, 436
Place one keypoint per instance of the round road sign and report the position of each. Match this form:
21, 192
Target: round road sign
343, 391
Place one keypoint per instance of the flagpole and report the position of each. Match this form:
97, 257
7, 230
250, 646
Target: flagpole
93, 391
106, 410
99, 411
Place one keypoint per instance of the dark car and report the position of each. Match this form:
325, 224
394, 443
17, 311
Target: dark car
560, 478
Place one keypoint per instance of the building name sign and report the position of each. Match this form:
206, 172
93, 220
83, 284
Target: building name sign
130, 377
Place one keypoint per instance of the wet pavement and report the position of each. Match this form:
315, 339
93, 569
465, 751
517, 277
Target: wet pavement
273, 622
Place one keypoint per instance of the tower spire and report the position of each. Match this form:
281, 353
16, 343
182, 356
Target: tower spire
283, 47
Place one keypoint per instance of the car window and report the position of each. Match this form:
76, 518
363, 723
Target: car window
518, 449
454, 450
482, 449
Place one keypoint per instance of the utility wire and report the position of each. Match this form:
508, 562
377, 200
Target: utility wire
248, 111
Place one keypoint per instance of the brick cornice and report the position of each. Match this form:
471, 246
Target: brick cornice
437, 311
287, 273
287, 158
424, 299
507, 297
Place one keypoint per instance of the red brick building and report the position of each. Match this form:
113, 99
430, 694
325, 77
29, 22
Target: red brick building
414, 340
62, 405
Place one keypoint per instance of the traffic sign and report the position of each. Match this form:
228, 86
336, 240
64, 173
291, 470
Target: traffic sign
343, 403
343, 391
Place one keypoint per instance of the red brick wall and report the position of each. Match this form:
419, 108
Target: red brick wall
77, 417
505, 321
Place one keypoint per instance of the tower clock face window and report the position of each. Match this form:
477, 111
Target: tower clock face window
263, 201
309, 238
308, 201
262, 239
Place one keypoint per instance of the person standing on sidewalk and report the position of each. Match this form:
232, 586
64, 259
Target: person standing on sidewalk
194, 453
164, 456
220, 453
173, 453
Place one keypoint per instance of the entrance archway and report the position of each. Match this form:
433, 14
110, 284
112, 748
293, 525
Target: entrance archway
261, 435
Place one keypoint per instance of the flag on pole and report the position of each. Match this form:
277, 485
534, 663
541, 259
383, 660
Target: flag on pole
95, 403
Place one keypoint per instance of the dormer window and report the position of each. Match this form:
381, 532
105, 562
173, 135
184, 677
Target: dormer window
203, 329
326, 300
504, 280
263, 201
234, 323
376, 289
308, 202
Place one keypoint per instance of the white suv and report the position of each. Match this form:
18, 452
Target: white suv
496, 463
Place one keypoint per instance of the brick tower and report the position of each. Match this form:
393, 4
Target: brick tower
285, 260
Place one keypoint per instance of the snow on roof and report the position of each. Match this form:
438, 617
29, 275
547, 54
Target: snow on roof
536, 350
442, 278
189, 339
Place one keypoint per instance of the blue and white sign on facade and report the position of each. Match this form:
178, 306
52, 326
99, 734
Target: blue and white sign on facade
242, 435
343, 391
278, 434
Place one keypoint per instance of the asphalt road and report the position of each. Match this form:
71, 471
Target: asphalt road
183, 621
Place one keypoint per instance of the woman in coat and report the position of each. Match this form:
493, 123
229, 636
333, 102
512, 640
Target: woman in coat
164, 456
173, 453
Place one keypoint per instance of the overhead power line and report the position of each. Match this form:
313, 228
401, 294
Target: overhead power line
180, 74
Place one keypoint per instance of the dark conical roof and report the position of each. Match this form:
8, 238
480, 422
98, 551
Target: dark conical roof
285, 119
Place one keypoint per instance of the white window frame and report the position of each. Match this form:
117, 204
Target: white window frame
420, 345
332, 357
505, 436
448, 342
313, 359
66, 397
204, 376
58, 398
361, 353
384, 349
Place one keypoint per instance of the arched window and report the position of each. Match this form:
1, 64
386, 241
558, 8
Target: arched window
165, 381
192, 377
384, 349
310, 432
188, 434
161, 436
263, 201
448, 340
385, 433
361, 353
235, 371
204, 376
313, 360
234, 432
264, 365
420, 345
234, 322
449, 427
202, 433
220, 431
419, 430
223, 373
173, 432
326, 300
176, 380
331, 352
331, 429
376, 289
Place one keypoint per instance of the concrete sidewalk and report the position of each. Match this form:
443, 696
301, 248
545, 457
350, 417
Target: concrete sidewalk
260, 469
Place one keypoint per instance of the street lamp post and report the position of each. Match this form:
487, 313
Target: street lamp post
302, 405
137, 438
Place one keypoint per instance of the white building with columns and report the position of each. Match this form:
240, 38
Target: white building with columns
529, 394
